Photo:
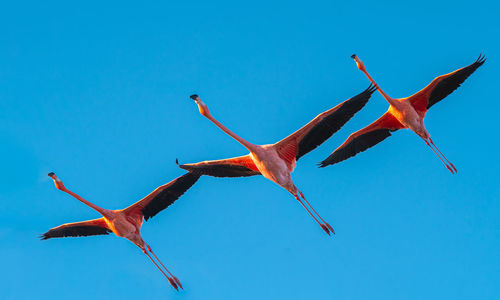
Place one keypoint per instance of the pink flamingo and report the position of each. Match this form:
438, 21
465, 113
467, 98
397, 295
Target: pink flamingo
126, 222
404, 113
276, 161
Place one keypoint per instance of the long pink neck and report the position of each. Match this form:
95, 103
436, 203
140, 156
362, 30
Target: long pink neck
100, 210
251, 147
389, 99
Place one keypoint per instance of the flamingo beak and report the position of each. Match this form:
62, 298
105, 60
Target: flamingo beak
194, 97
57, 181
53, 176
354, 56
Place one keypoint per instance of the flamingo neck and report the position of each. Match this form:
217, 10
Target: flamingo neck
100, 210
389, 99
251, 147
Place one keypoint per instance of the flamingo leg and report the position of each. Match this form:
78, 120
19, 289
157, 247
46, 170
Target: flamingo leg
435, 152
323, 226
449, 162
170, 280
312, 208
177, 281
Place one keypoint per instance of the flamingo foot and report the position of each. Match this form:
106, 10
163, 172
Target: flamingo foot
172, 283
323, 226
177, 281
330, 227
453, 166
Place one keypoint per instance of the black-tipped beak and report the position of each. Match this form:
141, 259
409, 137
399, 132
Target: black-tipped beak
353, 56
51, 174
193, 96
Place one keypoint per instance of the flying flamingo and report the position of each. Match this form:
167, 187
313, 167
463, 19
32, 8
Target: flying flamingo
126, 222
276, 161
404, 113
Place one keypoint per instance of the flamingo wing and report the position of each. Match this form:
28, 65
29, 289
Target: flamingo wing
364, 139
321, 128
241, 166
85, 228
162, 197
442, 86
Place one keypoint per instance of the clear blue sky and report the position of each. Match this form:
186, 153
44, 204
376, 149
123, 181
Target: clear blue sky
99, 92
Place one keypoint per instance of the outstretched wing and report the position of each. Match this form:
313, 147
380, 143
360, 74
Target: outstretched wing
85, 228
241, 166
364, 139
162, 197
442, 86
321, 127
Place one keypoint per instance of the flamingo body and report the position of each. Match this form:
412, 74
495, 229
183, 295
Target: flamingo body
273, 167
124, 226
408, 117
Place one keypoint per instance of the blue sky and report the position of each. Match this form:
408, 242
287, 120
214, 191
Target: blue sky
99, 92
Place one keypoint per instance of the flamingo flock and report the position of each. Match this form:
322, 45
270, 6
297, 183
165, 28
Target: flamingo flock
274, 161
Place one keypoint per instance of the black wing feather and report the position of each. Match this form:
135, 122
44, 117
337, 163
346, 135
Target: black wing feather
451, 83
357, 145
75, 231
324, 129
168, 196
222, 170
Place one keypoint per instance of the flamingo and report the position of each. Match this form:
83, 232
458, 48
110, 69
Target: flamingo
403, 113
126, 222
276, 161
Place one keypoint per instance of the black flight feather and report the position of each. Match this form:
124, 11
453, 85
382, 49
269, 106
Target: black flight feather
333, 122
168, 196
357, 145
74, 231
451, 83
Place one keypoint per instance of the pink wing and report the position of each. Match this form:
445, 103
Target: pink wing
442, 86
161, 198
241, 166
364, 139
85, 228
321, 128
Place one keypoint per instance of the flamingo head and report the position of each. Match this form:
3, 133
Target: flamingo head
57, 181
201, 106
359, 63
